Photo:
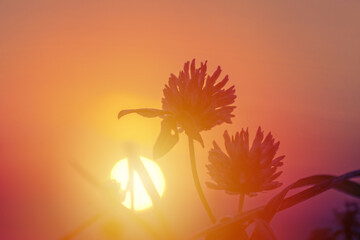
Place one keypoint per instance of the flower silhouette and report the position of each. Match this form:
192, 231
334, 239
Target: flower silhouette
195, 103
245, 170
192, 102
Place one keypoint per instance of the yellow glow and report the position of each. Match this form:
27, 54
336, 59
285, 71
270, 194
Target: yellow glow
142, 201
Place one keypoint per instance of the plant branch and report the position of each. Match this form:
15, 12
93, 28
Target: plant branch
197, 181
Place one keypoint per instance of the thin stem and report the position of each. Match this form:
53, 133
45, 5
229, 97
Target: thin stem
197, 181
241, 202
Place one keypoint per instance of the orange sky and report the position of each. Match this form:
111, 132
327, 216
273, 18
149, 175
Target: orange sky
68, 67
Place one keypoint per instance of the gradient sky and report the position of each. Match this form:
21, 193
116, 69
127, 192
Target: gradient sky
68, 67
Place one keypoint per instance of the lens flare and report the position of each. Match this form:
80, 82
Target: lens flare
142, 200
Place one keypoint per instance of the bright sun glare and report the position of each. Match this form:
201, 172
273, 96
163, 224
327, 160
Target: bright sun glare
142, 201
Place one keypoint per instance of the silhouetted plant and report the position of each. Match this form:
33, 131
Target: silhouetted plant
193, 102
244, 170
347, 228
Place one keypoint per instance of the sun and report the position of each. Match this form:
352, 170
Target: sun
142, 200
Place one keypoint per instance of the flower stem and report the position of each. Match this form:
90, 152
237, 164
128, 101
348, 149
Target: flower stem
197, 181
241, 202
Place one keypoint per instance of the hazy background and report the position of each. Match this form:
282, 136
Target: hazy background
68, 67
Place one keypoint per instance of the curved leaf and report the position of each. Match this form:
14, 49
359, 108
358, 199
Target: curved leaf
167, 138
346, 186
145, 112
321, 182
275, 204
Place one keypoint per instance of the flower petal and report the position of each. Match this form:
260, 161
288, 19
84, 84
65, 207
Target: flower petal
195, 93
167, 138
145, 112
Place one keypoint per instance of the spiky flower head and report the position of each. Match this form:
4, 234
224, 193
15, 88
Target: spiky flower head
196, 101
245, 170
193, 101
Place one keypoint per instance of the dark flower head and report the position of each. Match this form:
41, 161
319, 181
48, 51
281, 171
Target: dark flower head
196, 101
193, 101
243, 169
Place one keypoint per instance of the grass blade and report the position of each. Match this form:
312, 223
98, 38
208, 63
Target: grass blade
321, 184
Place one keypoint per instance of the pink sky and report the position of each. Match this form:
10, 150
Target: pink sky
68, 67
